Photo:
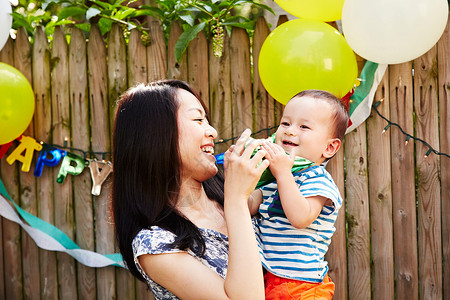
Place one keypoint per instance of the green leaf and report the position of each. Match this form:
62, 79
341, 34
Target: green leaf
104, 5
248, 26
84, 26
104, 25
20, 21
188, 19
144, 12
240, 2
205, 6
63, 22
49, 2
71, 11
224, 4
118, 3
185, 38
92, 12
193, 9
123, 14
264, 6
236, 19
152, 8
50, 28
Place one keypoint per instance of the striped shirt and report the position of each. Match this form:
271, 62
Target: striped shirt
294, 253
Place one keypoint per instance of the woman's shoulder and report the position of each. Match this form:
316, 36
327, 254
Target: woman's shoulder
153, 231
153, 240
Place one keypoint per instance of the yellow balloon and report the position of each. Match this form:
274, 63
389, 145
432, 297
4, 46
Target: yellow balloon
322, 10
306, 54
16, 103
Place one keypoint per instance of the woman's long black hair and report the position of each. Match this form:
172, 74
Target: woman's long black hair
147, 165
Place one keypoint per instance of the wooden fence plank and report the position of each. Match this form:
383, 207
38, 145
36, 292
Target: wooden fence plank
137, 73
337, 251
61, 130
357, 214
11, 237
156, 69
117, 69
156, 52
241, 86
428, 187
279, 108
263, 103
100, 141
444, 111
403, 185
83, 205
42, 129
11, 231
220, 95
176, 70
380, 195
30, 251
117, 84
2, 266
198, 66
137, 59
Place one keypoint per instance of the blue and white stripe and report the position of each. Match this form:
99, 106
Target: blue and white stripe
298, 253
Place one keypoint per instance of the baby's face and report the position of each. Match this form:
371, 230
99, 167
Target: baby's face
305, 128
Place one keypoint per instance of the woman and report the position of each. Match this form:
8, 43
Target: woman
179, 226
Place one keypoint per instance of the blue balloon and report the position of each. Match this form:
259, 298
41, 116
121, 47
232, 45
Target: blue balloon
219, 158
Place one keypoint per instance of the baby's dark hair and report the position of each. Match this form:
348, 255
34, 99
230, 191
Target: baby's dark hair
340, 114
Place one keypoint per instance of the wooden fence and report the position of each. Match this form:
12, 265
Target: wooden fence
392, 239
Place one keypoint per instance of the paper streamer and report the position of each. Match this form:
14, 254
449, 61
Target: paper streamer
48, 237
361, 100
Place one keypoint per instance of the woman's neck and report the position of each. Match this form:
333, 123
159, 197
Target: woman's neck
192, 194
195, 205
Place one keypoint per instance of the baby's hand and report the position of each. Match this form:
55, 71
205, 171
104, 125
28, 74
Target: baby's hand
280, 162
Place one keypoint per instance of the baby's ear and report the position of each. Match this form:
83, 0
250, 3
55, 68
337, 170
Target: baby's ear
332, 147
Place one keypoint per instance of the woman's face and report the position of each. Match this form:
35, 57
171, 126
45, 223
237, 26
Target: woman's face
195, 139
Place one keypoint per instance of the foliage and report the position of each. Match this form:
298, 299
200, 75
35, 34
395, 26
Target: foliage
51, 13
211, 16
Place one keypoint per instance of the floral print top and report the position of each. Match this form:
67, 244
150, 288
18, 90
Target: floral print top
157, 241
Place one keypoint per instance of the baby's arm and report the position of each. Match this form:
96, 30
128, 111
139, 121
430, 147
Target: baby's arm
300, 211
254, 201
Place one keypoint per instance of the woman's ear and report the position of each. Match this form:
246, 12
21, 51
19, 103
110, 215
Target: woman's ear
332, 147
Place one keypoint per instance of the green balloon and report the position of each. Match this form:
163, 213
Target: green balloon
16, 103
306, 54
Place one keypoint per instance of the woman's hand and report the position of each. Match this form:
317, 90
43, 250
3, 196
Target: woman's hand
242, 172
244, 278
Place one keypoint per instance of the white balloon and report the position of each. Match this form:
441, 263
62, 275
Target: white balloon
5, 21
393, 31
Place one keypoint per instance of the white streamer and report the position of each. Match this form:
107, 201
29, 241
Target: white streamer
44, 241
